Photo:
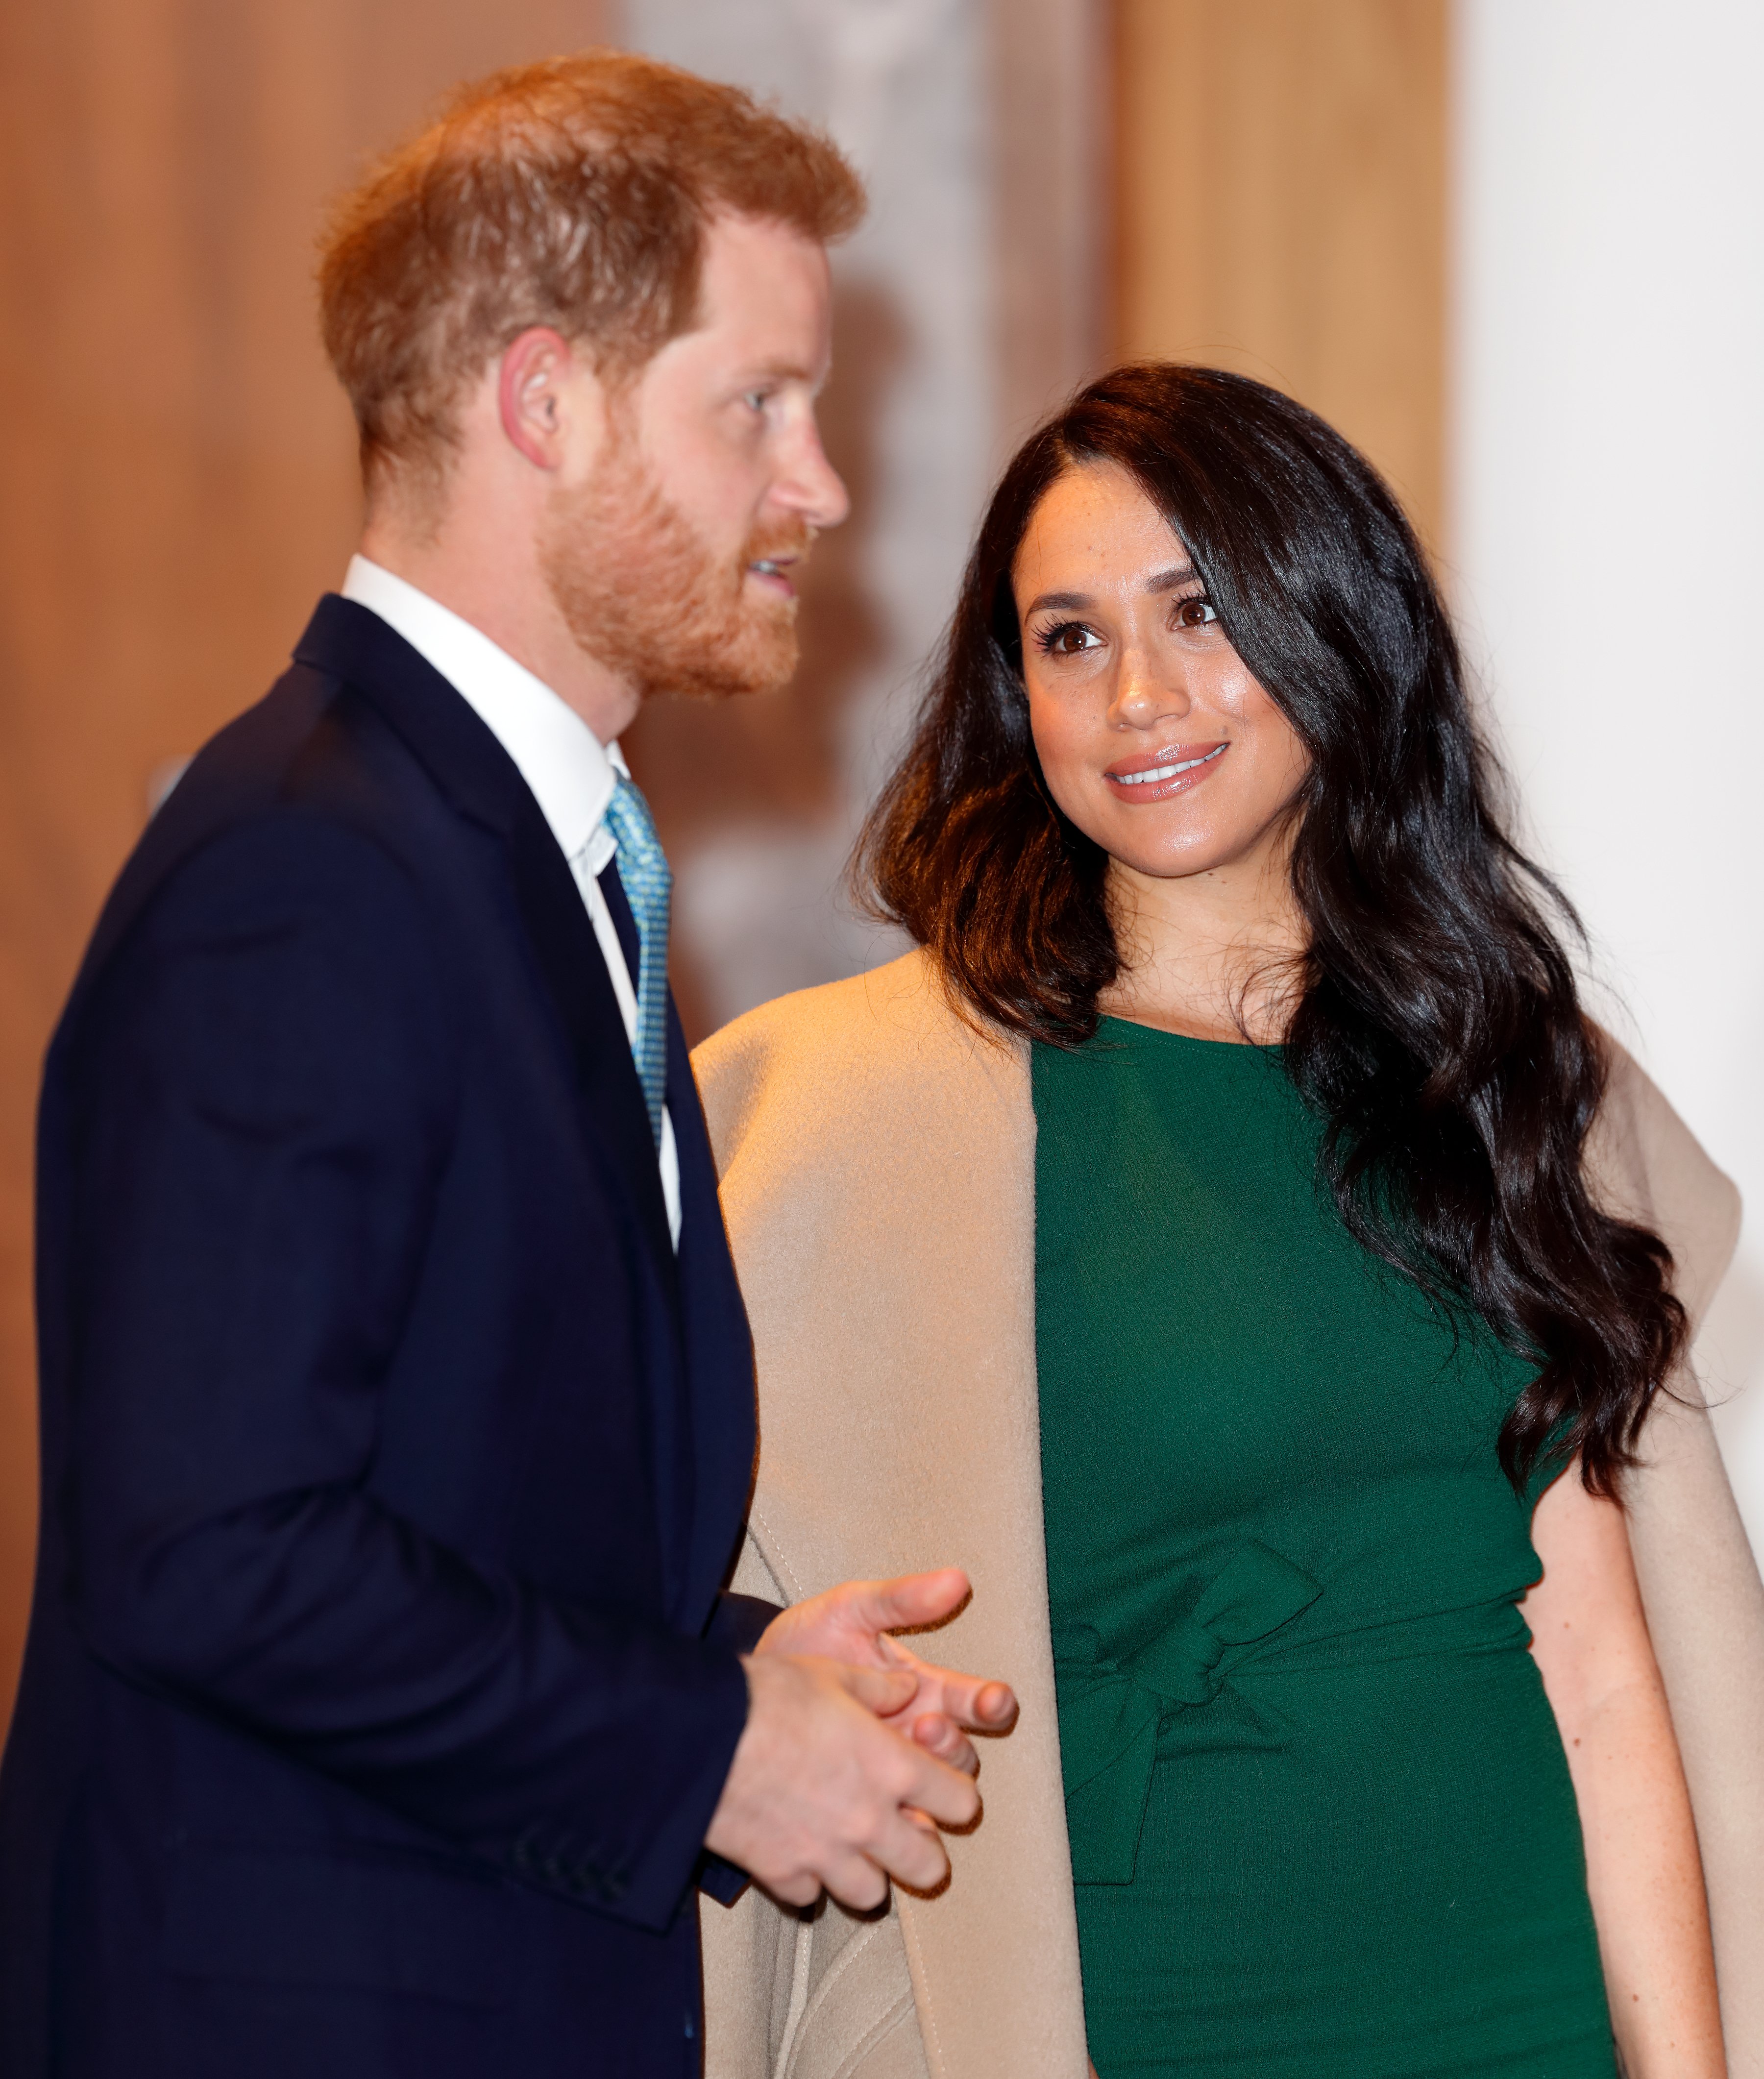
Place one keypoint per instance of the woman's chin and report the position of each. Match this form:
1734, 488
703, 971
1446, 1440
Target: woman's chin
1178, 858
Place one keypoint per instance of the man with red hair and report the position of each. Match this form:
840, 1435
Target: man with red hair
383, 1708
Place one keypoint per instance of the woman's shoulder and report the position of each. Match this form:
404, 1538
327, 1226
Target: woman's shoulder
874, 1046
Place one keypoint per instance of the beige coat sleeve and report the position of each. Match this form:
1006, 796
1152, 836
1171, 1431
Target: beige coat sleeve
1700, 1580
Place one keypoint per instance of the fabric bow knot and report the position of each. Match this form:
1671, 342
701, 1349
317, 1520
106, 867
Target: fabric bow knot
1111, 1710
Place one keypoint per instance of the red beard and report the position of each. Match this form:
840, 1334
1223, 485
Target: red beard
642, 594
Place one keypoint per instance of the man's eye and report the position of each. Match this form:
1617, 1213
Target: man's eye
756, 400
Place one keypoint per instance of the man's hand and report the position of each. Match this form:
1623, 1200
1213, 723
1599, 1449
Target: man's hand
822, 1793
851, 1623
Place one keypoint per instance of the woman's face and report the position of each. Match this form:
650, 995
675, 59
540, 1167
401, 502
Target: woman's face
1154, 739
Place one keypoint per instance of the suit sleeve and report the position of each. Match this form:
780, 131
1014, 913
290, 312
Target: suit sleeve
739, 1621
736, 1621
266, 1081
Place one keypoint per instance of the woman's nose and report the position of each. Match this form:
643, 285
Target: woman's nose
1143, 697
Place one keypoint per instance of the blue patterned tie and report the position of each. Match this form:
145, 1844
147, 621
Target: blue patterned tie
648, 885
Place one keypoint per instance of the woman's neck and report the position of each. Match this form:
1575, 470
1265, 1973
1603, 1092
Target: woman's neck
1215, 956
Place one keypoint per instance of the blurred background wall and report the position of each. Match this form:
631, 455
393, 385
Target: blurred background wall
1491, 241
973, 296
1607, 533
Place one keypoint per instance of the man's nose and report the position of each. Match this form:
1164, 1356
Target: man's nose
810, 484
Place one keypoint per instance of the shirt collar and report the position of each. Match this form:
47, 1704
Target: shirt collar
570, 773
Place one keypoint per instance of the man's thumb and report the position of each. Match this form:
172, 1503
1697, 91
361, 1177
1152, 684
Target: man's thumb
914, 1599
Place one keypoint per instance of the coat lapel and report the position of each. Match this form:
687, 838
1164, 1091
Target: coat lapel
349, 642
878, 1164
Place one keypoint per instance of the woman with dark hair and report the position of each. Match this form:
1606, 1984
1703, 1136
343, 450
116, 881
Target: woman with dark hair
1238, 1134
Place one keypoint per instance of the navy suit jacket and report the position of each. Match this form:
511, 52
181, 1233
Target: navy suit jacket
379, 1688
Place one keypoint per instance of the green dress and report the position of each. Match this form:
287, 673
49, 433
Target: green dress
1321, 1818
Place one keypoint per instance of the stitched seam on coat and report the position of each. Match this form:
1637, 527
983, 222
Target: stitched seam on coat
935, 2045
852, 1950
750, 1543
873, 2035
782, 1568
799, 1994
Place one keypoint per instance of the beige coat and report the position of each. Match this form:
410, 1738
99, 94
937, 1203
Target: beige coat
878, 1178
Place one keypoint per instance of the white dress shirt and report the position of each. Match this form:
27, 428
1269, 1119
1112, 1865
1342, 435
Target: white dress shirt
560, 758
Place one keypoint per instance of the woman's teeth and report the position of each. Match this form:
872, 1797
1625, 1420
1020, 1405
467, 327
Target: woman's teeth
1165, 772
767, 568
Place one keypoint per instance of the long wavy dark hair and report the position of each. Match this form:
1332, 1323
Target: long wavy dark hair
1438, 1033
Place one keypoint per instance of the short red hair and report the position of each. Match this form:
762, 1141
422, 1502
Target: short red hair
574, 193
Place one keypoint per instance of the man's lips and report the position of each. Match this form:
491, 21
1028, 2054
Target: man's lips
1155, 776
773, 572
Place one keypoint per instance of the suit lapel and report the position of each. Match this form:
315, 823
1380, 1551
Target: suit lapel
618, 908
462, 756
575, 969
717, 1453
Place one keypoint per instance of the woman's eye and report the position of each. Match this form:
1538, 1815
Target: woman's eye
1195, 613
756, 400
1071, 638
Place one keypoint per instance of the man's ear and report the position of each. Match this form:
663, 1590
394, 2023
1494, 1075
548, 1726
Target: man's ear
548, 398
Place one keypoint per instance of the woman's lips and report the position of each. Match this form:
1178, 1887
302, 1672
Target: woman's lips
1159, 775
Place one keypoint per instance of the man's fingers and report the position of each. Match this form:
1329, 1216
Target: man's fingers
995, 1707
975, 1701
882, 1690
823, 1789
802, 1888
911, 1852
944, 1737
858, 1882
943, 1792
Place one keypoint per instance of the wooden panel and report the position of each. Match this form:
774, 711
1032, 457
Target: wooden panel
179, 482
1281, 208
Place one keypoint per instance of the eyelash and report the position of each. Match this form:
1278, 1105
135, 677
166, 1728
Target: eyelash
1045, 640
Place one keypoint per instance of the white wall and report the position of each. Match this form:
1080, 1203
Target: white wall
1609, 531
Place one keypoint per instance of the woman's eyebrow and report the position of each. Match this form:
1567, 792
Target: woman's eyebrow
1168, 580
1182, 574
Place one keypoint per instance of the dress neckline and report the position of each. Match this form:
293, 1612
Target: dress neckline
1252, 1047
